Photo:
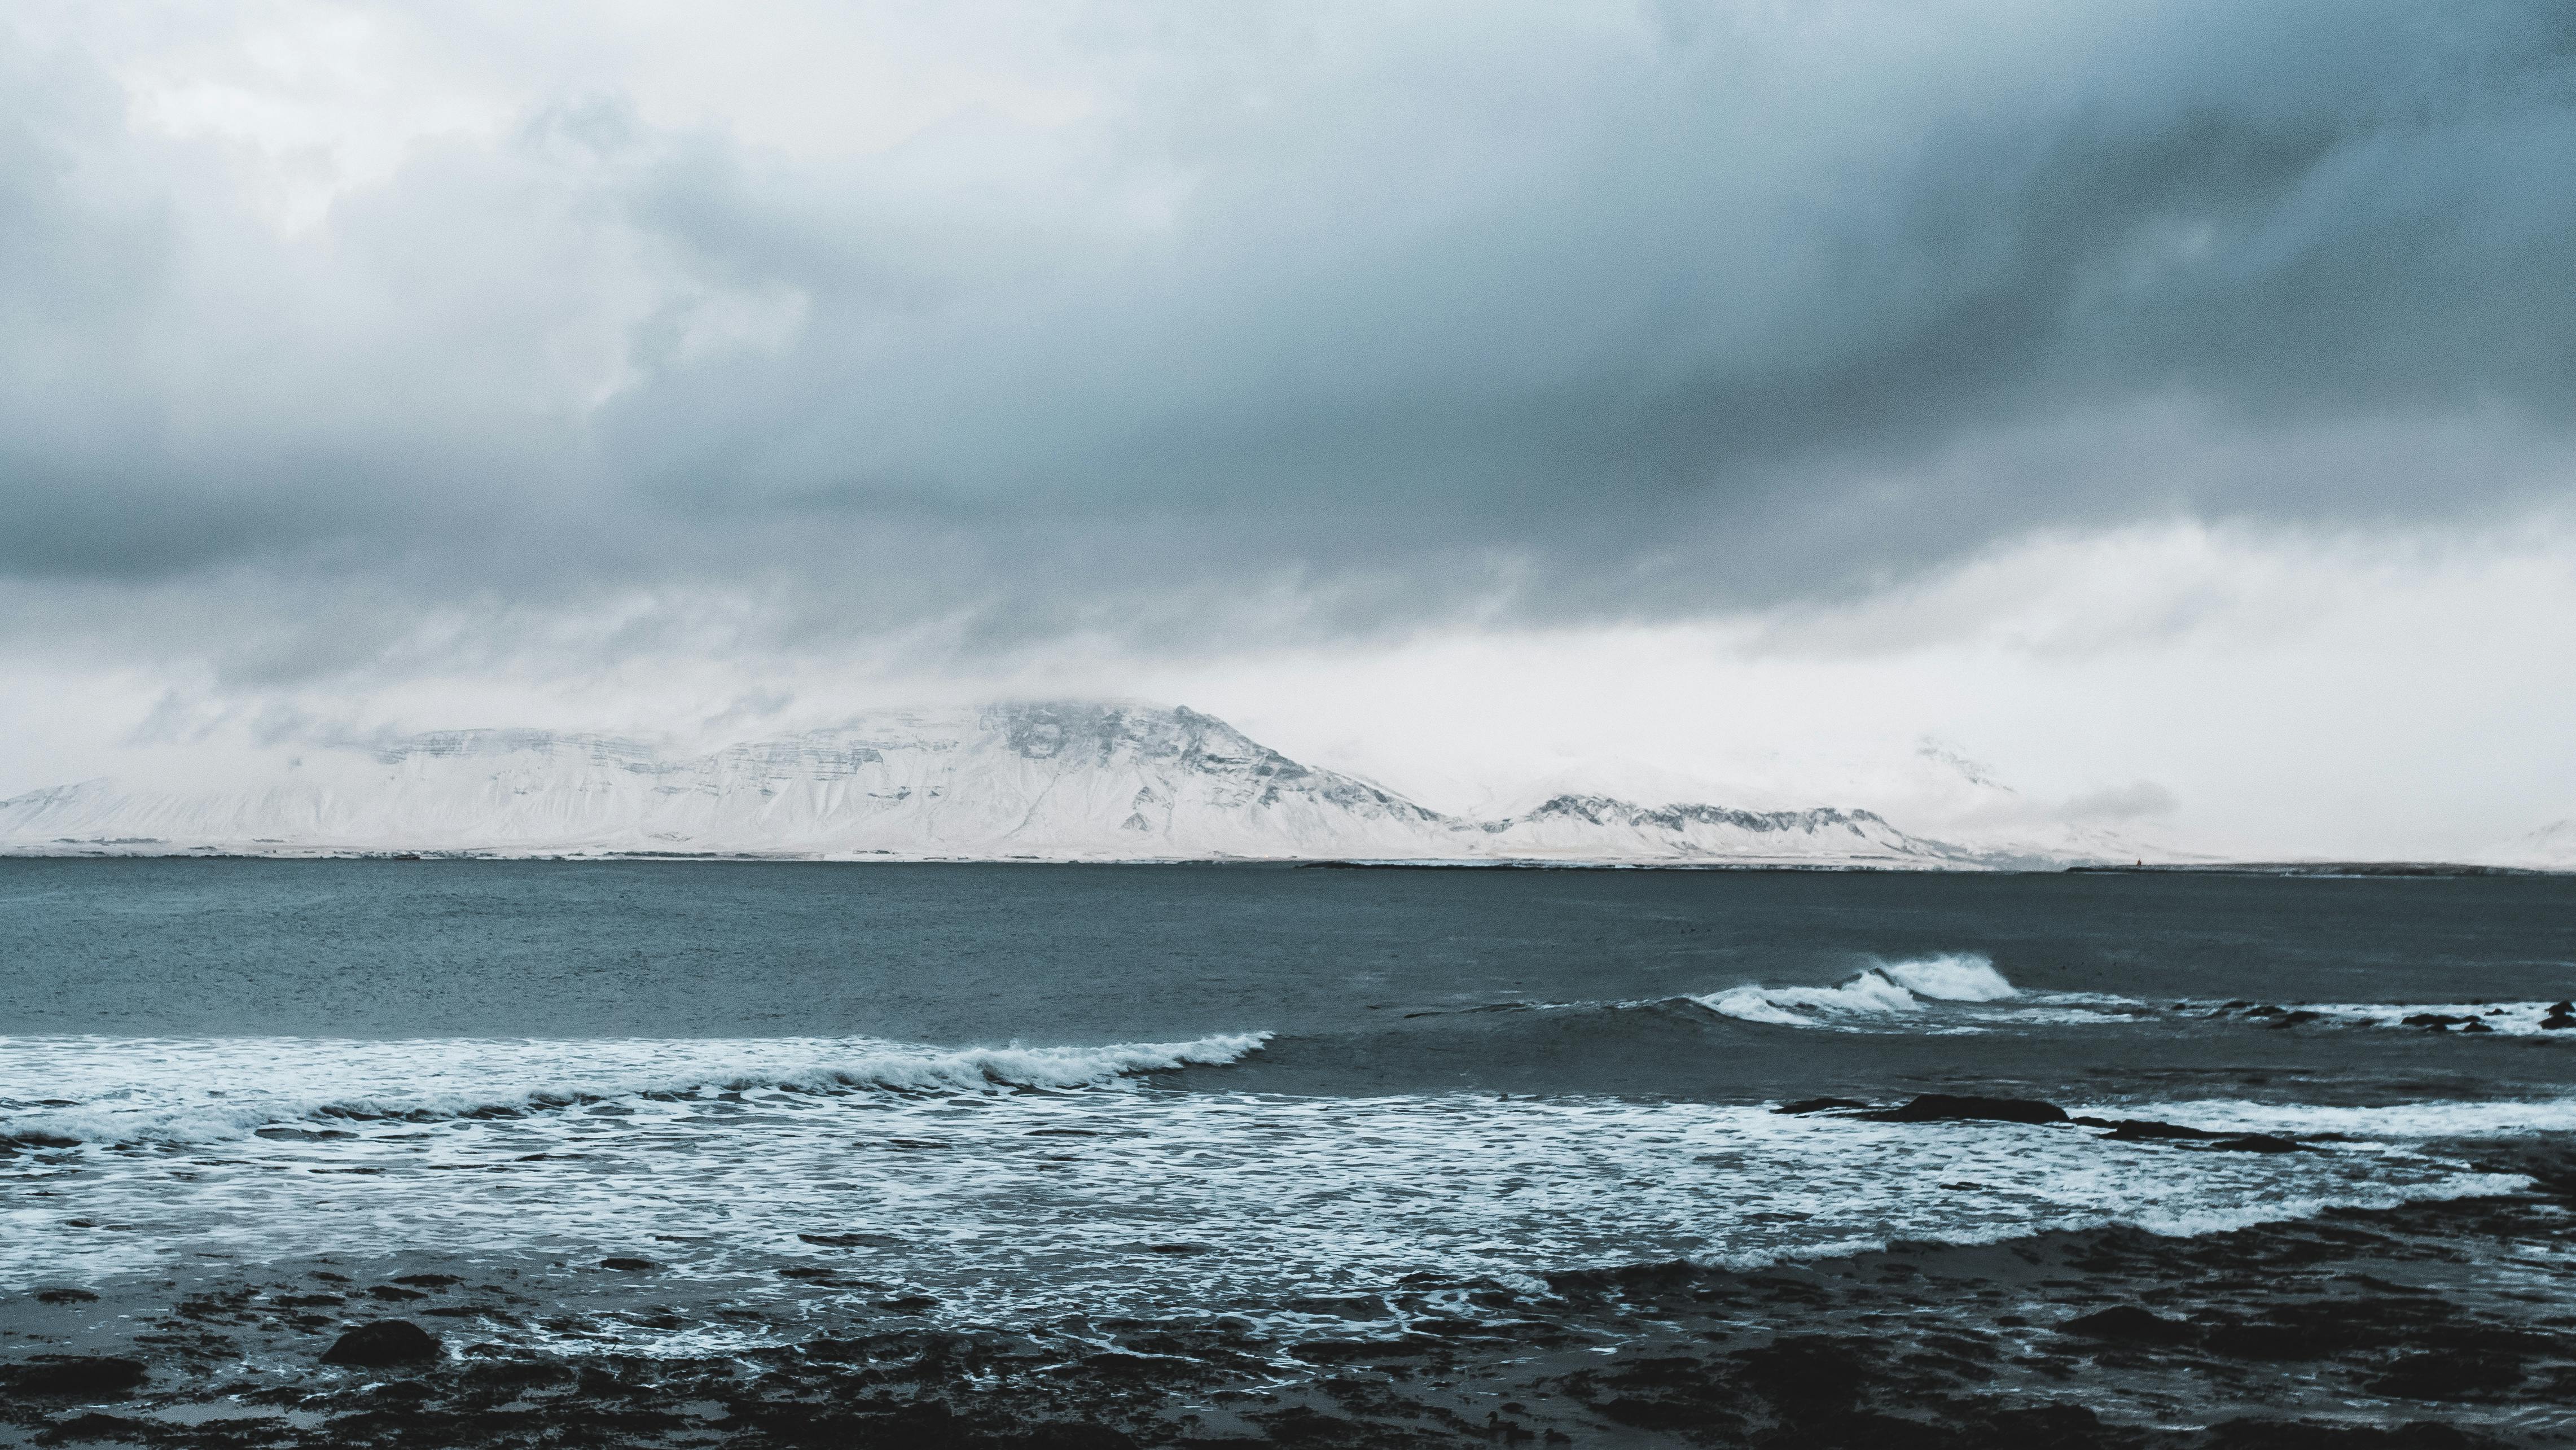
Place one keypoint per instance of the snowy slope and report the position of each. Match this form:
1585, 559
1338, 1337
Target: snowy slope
2551, 848
1592, 825
1048, 781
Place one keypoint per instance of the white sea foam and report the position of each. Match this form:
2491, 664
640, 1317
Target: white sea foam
2508, 1019
719, 1160
1954, 977
1888, 990
2396, 1125
177, 1091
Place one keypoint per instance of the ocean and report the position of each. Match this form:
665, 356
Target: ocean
677, 1118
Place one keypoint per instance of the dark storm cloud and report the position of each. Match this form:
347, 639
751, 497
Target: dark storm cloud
1628, 313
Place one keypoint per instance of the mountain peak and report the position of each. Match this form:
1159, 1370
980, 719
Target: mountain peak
1045, 779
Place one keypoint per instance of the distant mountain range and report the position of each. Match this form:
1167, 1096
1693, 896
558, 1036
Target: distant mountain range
1066, 781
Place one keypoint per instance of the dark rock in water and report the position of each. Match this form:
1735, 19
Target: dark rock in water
1804, 1373
2448, 1375
853, 1241
1944, 1108
2296, 1019
632, 1266
385, 1342
2257, 1143
1818, 1105
2045, 1427
71, 1379
2144, 1130
1071, 1436
2252, 1434
2435, 1019
508, 1375
2562, 1015
65, 1296
2477, 1026
2129, 1324
95, 1426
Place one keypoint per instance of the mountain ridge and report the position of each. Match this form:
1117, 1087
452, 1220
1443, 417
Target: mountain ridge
1052, 780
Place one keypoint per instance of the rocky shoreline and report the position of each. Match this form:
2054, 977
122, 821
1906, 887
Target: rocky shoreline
2426, 1325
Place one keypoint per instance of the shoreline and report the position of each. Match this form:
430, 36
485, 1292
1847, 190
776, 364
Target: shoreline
2434, 1324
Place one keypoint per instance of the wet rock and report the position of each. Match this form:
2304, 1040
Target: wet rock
1808, 1374
631, 1266
65, 1296
1299, 1425
95, 1426
1069, 1436
1945, 1108
2045, 1427
2129, 1324
2257, 1143
520, 1374
2307, 1435
1646, 1414
385, 1342
1818, 1105
2561, 1017
2144, 1130
86, 1378
33, 1139
1350, 1351
2448, 1375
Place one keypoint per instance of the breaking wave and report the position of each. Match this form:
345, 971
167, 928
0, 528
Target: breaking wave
100, 1090
1884, 990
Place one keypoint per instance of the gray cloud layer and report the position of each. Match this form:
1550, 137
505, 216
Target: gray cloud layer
1379, 310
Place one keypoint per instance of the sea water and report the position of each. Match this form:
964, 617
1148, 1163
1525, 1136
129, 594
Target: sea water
1005, 1093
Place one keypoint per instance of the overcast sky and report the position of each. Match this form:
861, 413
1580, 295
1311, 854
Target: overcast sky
2168, 410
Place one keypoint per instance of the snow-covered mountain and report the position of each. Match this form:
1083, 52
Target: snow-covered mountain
1022, 781
2551, 848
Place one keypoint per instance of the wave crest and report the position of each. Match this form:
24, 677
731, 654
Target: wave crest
1885, 988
